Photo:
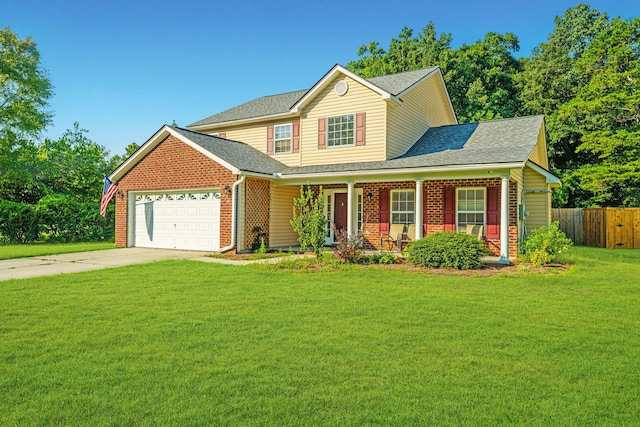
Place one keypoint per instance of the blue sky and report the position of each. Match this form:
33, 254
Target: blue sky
123, 68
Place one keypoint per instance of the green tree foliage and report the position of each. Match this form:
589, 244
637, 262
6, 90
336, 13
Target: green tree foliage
550, 79
24, 93
309, 220
480, 77
606, 111
73, 165
117, 160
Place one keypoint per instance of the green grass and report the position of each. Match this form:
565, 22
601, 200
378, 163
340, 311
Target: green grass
191, 343
22, 251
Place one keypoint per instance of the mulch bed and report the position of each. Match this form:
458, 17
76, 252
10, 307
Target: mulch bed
487, 270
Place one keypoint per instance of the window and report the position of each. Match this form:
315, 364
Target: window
282, 138
470, 207
340, 130
403, 207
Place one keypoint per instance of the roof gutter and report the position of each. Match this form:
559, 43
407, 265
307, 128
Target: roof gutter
455, 168
234, 208
211, 126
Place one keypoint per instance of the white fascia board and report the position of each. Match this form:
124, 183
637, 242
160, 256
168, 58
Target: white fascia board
448, 97
154, 141
551, 178
327, 77
212, 126
493, 169
258, 175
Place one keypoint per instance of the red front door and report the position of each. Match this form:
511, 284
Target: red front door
340, 211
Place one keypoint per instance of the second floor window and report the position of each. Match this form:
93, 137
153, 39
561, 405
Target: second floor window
282, 138
340, 130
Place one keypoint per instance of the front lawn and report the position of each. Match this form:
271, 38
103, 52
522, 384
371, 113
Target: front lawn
192, 343
23, 251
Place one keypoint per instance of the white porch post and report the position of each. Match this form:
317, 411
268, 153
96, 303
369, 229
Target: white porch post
419, 218
504, 221
350, 209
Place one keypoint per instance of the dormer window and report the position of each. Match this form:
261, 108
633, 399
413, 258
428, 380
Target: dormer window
341, 130
282, 138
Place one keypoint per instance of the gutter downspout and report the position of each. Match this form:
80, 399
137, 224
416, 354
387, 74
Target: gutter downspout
233, 214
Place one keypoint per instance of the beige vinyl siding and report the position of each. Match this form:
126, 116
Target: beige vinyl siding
281, 233
255, 135
424, 106
327, 103
537, 204
539, 154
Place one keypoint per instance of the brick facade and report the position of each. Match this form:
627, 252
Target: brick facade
434, 207
173, 165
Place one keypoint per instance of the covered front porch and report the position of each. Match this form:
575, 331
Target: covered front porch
379, 209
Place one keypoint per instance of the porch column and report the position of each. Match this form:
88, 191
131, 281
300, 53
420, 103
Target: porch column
504, 221
418, 215
350, 209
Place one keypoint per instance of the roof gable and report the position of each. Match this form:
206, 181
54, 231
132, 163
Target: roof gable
235, 156
390, 87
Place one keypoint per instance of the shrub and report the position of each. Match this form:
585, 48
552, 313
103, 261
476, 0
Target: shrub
383, 258
452, 250
18, 222
545, 244
64, 219
309, 220
348, 249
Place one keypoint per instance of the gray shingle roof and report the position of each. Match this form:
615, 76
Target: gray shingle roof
282, 103
398, 83
238, 154
498, 141
264, 106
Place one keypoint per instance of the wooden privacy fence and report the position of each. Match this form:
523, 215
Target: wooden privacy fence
612, 227
601, 227
571, 222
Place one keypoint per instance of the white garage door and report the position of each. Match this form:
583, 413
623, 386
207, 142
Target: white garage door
186, 220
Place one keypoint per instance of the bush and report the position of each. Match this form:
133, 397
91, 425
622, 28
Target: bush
452, 250
381, 258
64, 219
545, 244
18, 222
348, 249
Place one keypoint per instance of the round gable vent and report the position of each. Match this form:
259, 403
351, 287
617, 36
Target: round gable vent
341, 87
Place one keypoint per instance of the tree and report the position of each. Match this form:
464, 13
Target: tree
309, 220
24, 93
117, 160
73, 165
606, 111
480, 77
406, 53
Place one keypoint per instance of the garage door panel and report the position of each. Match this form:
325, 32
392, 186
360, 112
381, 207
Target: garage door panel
189, 220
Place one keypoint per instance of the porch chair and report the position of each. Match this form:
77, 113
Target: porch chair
476, 230
394, 236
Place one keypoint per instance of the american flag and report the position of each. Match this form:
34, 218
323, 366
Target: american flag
107, 193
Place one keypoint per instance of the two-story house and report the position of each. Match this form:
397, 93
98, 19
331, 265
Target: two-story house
387, 151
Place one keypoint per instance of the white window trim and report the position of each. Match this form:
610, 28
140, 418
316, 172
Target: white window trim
484, 211
353, 144
290, 139
391, 211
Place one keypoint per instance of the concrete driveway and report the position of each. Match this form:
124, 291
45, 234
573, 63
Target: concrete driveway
84, 261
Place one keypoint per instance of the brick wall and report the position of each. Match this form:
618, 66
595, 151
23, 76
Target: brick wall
434, 202
173, 165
